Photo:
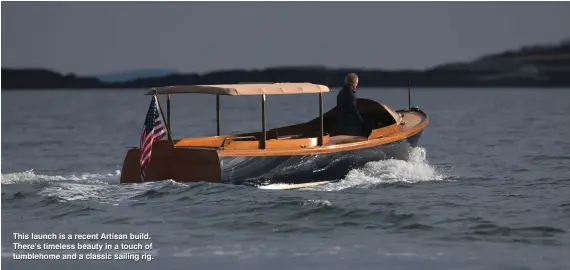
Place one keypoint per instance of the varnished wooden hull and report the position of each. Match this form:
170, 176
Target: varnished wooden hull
295, 169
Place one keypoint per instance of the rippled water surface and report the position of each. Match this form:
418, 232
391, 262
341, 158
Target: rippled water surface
488, 187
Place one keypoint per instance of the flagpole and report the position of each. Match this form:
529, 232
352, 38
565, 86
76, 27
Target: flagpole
162, 113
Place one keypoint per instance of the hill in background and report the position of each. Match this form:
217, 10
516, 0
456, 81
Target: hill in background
135, 74
529, 66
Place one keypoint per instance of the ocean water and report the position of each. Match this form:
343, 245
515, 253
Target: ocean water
488, 187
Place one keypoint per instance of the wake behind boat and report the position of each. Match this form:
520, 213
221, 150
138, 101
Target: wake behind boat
310, 152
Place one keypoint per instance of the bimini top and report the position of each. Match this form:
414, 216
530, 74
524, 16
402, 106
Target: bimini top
243, 89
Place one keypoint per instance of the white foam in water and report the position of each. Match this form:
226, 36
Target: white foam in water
28, 177
105, 193
318, 202
31, 177
86, 186
275, 186
112, 194
416, 169
73, 191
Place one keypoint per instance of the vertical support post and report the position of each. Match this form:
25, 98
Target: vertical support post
168, 112
263, 123
321, 129
218, 114
162, 114
409, 98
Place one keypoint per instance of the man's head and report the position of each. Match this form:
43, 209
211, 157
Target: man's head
351, 80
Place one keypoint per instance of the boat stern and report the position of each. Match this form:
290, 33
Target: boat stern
168, 162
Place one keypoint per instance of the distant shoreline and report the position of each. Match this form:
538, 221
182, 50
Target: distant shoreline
34, 79
528, 67
376, 88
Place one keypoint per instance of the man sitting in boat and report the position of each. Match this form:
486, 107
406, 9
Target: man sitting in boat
349, 120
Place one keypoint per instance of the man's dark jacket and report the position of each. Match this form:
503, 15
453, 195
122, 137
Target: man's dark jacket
349, 119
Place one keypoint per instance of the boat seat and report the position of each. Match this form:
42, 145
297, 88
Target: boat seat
339, 139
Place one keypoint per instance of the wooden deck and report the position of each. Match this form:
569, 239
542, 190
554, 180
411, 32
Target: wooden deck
411, 119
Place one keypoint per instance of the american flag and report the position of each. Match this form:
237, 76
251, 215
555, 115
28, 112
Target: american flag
153, 129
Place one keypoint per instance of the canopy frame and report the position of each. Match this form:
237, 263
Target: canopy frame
318, 89
243, 89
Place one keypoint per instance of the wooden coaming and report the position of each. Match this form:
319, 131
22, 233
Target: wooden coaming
213, 141
402, 132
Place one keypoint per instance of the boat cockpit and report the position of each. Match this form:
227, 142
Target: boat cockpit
376, 116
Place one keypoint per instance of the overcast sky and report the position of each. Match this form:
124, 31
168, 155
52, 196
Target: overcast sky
101, 37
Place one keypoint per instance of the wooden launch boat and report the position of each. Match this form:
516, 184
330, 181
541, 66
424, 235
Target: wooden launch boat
309, 152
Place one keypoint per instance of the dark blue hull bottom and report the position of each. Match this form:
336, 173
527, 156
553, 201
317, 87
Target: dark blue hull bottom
256, 170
